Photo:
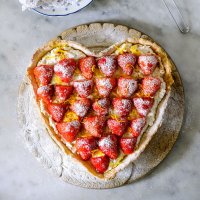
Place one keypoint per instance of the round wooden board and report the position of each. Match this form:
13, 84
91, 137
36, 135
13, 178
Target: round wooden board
98, 36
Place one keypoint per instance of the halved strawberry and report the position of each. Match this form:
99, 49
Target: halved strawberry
117, 127
84, 146
63, 92
44, 73
147, 63
45, 93
127, 86
143, 105
100, 163
86, 65
101, 106
122, 107
94, 125
83, 87
127, 61
150, 85
81, 107
105, 86
69, 130
57, 111
65, 69
127, 144
107, 65
137, 126
109, 146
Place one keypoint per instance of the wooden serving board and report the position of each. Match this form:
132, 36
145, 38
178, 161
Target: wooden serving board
98, 36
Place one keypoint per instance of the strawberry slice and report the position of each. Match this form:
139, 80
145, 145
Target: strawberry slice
122, 107
101, 106
137, 126
107, 65
86, 65
45, 93
117, 127
94, 125
147, 63
84, 146
65, 69
127, 61
84, 87
109, 146
105, 86
127, 86
63, 92
81, 107
69, 130
143, 105
44, 73
57, 111
127, 144
100, 163
150, 85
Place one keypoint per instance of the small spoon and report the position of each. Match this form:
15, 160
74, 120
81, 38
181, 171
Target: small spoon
176, 14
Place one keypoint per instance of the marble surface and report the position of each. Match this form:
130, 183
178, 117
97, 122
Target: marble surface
21, 176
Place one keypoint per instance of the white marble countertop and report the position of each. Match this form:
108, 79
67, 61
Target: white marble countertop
22, 177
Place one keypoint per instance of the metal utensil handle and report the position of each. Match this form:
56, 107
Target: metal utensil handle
177, 15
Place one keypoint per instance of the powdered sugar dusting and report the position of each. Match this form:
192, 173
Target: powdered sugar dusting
143, 105
73, 124
122, 106
107, 65
66, 71
80, 108
44, 89
150, 85
127, 86
126, 59
84, 88
104, 86
138, 124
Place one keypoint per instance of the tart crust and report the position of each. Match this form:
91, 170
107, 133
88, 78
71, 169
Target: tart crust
146, 137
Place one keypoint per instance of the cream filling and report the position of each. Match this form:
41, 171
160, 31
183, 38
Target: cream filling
57, 54
53, 57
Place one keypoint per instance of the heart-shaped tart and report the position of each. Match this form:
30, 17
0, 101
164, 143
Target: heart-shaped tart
102, 109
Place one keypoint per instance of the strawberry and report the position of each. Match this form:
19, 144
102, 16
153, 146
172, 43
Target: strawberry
86, 65
107, 65
105, 86
127, 144
94, 125
84, 146
84, 87
122, 107
117, 127
63, 92
100, 163
69, 130
150, 85
101, 106
109, 146
65, 69
81, 107
127, 61
127, 86
147, 63
44, 73
45, 93
137, 126
57, 111
143, 105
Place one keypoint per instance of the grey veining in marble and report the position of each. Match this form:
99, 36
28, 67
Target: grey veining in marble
21, 176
